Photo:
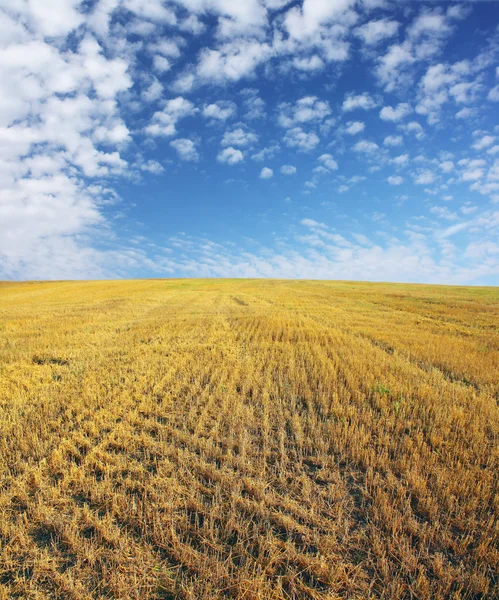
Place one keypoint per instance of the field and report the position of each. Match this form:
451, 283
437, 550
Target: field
248, 439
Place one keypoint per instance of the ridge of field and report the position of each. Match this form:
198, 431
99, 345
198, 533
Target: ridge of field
248, 439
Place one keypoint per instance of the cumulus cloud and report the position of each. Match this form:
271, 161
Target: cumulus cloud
232, 61
424, 177
239, 137
401, 160
328, 162
230, 155
308, 20
414, 128
311, 223
391, 69
153, 92
60, 126
393, 140
354, 127
360, 101
110, 92
254, 106
374, 32
301, 140
366, 147
309, 63
219, 111
163, 122
186, 149
306, 110
484, 142
446, 166
402, 110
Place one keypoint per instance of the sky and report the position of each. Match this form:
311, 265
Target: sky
316, 139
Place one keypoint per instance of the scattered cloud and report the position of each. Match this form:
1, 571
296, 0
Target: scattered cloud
402, 110
220, 111
186, 149
354, 127
328, 162
393, 140
360, 101
100, 96
163, 122
306, 110
375, 32
230, 155
300, 139
366, 147
239, 137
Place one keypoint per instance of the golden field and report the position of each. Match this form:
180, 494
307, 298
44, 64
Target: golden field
248, 439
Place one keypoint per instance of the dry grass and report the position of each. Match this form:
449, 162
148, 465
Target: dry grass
248, 439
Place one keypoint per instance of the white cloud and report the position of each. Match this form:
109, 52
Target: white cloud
152, 166
60, 125
231, 61
313, 224
254, 106
153, 92
484, 142
186, 149
309, 63
413, 127
374, 32
230, 156
267, 152
163, 122
354, 127
192, 24
220, 111
465, 113
62, 17
151, 10
424, 177
366, 147
393, 140
239, 137
442, 212
398, 113
447, 166
362, 101
429, 23
328, 161
391, 67
303, 141
266, 173
306, 110
307, 21
161, 64
167, 47
78, 82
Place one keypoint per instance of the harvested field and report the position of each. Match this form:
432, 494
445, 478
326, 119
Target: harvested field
248, 439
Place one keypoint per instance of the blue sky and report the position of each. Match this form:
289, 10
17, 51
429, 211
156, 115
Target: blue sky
321, 139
